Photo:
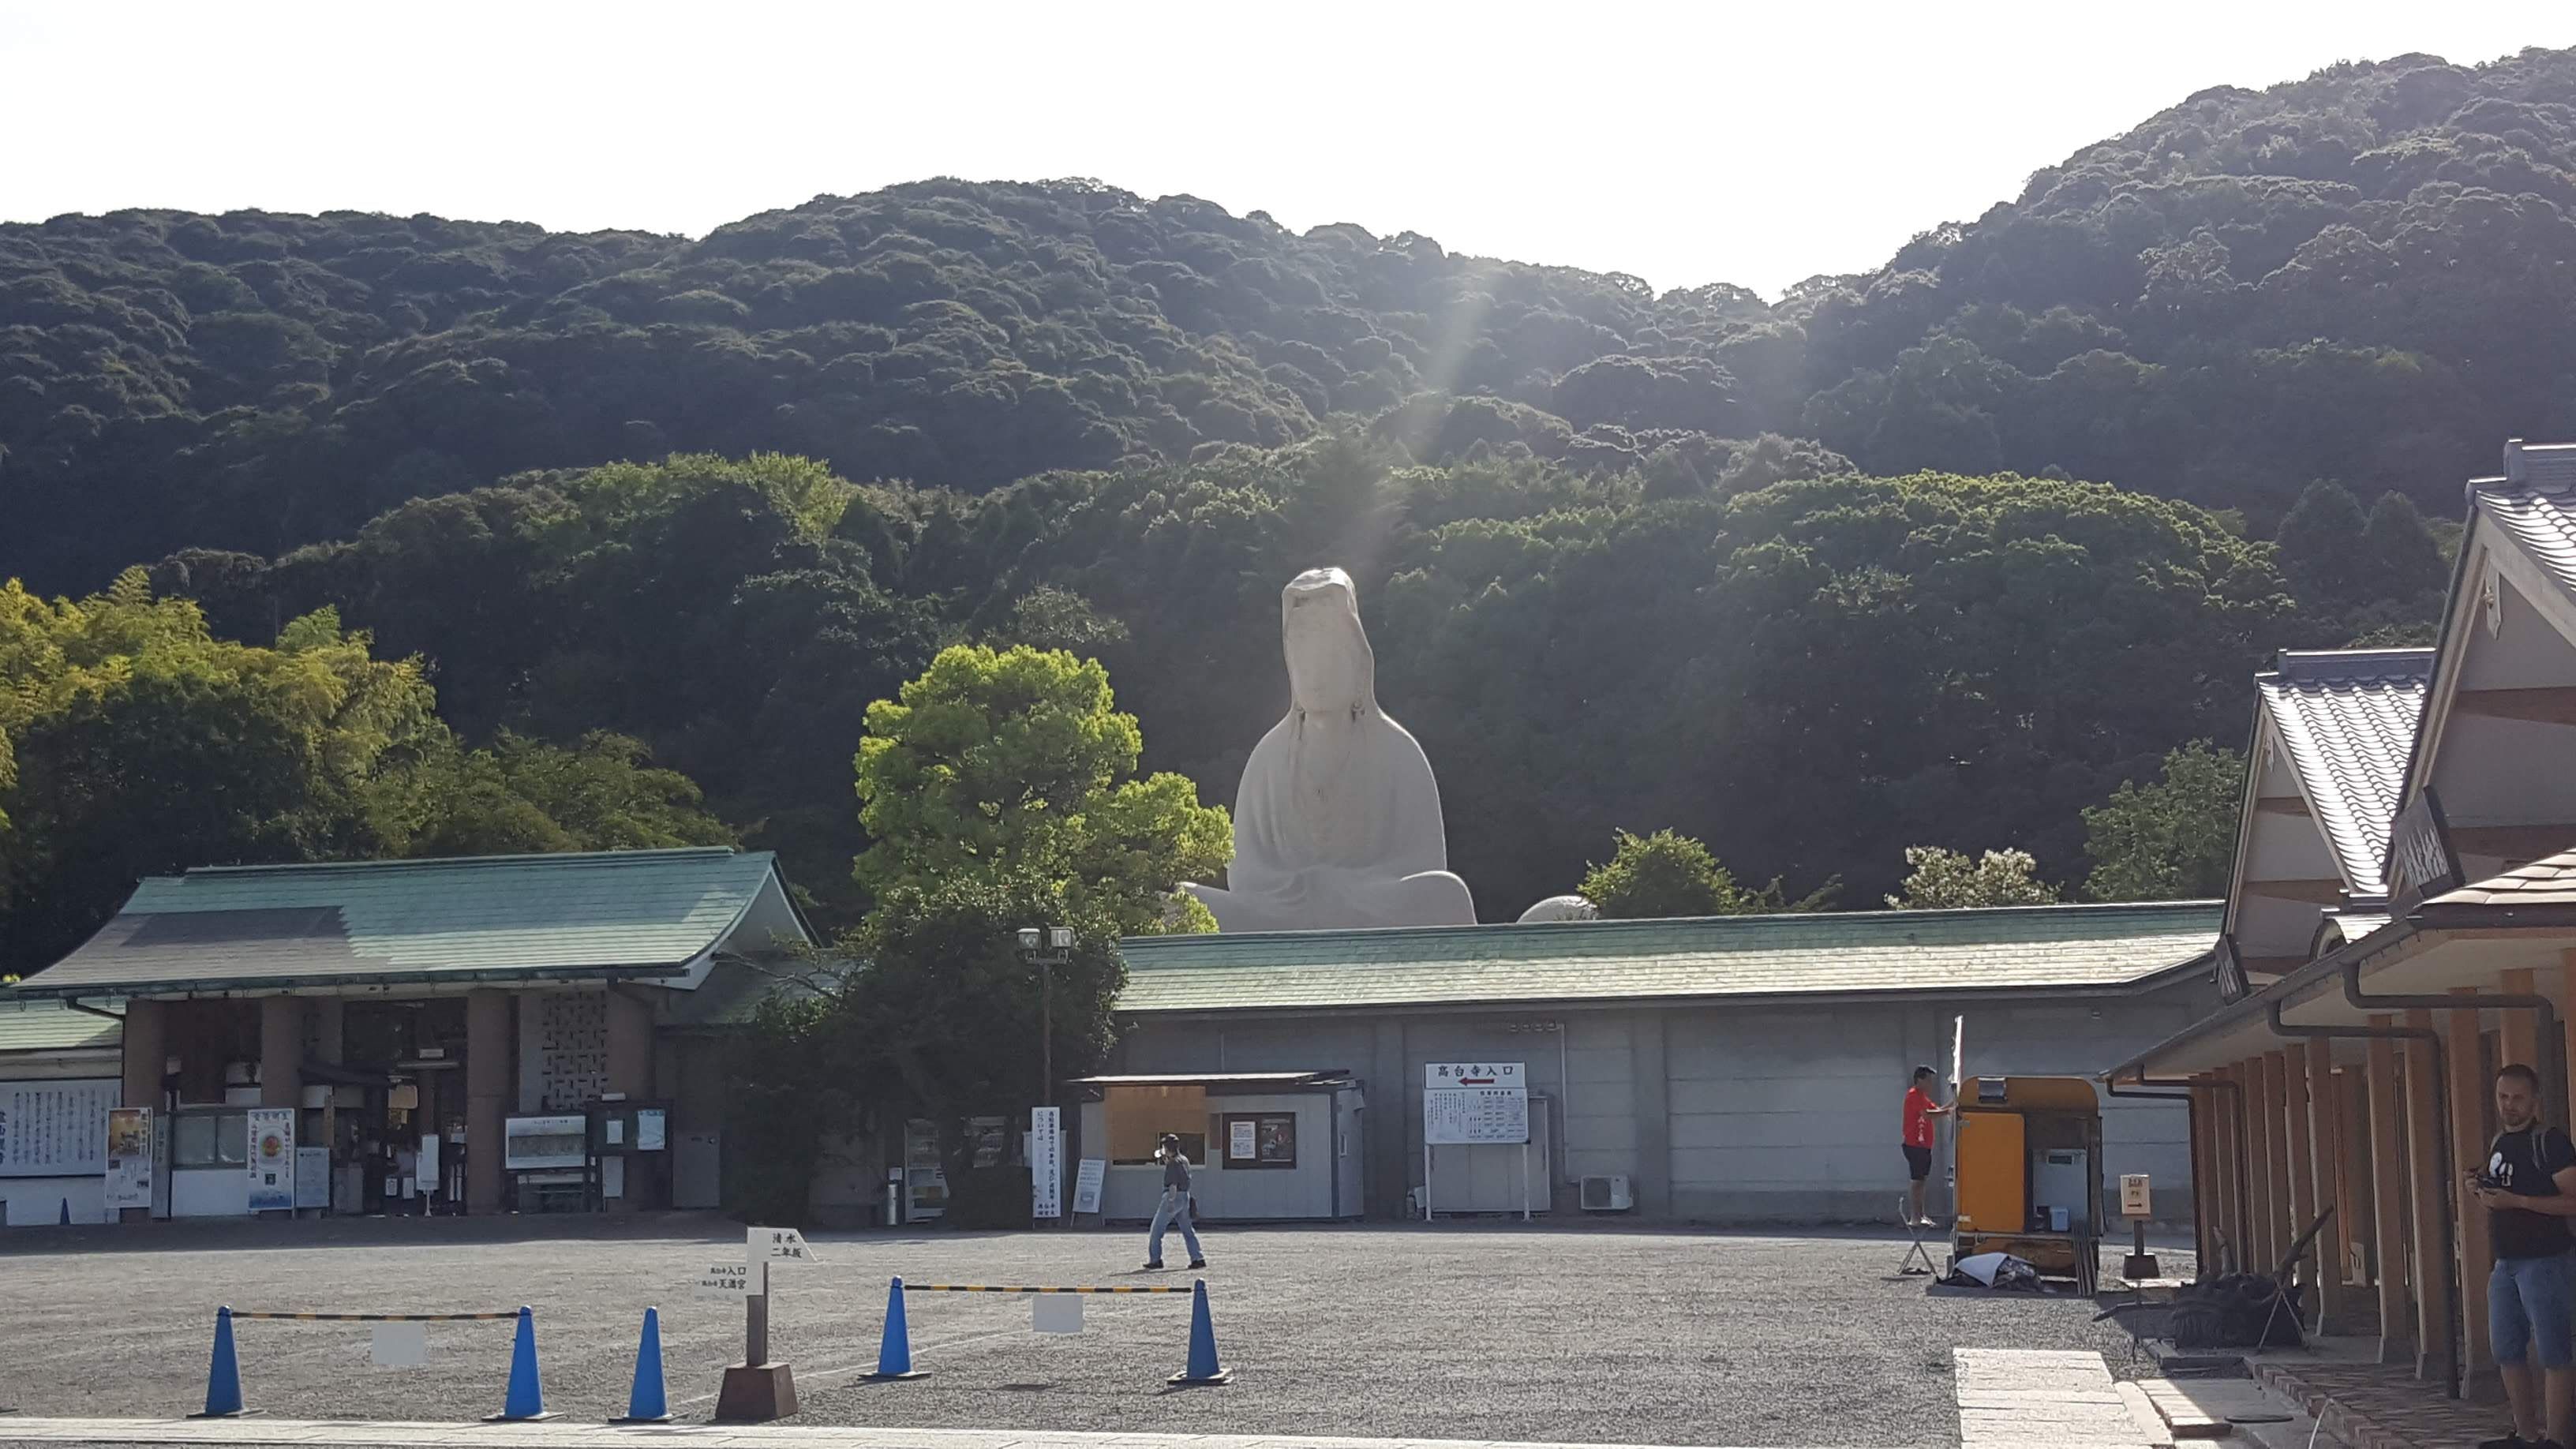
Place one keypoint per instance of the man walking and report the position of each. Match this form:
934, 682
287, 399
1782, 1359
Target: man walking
1175, 1207
1920, 1109
2529, 1192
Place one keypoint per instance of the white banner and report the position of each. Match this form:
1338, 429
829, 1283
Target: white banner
1474, 1102
1046, 1162
272, 1159
129, 1158
56, 1129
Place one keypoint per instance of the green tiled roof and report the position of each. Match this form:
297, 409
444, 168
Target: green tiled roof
49, 1026
1850, 953
636, 913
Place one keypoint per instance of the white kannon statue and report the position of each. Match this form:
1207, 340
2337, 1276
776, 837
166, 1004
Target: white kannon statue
1337, 821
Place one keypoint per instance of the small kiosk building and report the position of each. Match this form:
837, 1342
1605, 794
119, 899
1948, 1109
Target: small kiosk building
1264, 1146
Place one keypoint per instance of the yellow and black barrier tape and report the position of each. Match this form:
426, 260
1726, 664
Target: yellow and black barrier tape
996, 1288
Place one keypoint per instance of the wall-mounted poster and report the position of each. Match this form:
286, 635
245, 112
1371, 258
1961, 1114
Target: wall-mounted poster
129, 1158
272, 1159
56, 1129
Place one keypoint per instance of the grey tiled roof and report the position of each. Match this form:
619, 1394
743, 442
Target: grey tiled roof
2549, 881
2348, 719
38, 1027
641, 912
1826, 954
2535, 502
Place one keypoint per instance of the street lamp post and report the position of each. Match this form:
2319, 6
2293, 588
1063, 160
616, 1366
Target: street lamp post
1048, 947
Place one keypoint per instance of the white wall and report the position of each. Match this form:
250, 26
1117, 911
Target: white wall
210, 1192
1762, 1112
36, 1202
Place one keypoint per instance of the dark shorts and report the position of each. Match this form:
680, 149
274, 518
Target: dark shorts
1918, 1162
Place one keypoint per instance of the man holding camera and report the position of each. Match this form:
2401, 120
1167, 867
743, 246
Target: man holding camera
1175, 1207
2528, 1189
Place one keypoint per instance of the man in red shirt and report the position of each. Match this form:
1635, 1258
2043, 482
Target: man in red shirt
1920, 1109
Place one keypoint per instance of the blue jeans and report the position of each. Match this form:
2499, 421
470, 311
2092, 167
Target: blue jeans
2532, 1311
1174, 1212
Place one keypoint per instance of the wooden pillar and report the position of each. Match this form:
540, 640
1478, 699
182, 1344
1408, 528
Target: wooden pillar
2468, 1133
630, 1045
2424, 1177
490, 1052
2353, 1164
2387, 1193
146, 1055
2271, 1179
2298, 1144
281, 1051
2204, 1175
2567, 1025
2519, 1039
2315, 1128
2227, 1220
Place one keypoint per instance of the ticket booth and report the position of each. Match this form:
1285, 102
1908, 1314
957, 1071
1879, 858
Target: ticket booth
2029, 1167
1263, 1146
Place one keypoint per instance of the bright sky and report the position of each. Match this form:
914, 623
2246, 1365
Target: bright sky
1686, 143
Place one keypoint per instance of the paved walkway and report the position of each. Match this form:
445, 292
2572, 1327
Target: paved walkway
565, 1434
2369, 1406
2042, 1399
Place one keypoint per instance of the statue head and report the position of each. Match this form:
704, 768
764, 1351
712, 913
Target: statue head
1330, 666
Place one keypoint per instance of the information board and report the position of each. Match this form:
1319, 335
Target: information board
272, 1159
129, 1158
1046, 1162
1087, 1179
541, 1143
56, 1129
1465, 1102
312, 1177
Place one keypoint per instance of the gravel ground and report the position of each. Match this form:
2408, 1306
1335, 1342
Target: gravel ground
1464, 1332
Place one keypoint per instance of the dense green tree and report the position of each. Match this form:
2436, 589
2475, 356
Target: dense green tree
946, 1012
2173, 838
1942, 880
1016, 765
2246, 291
1670, 874
145, 745
1663, 874
2325, 550
527, 796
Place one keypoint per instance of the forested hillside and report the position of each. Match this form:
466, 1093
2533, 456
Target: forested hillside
1612, 541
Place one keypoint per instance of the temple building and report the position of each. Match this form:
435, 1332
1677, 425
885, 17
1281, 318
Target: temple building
391, 1036
2402, 923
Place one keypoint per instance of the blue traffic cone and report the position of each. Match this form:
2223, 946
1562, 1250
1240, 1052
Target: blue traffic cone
894, 1352
67, 1212
1203, 1367
645, 1403
223, 1373
526, 1399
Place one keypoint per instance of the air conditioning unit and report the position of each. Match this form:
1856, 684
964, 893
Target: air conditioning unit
1606, 1195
